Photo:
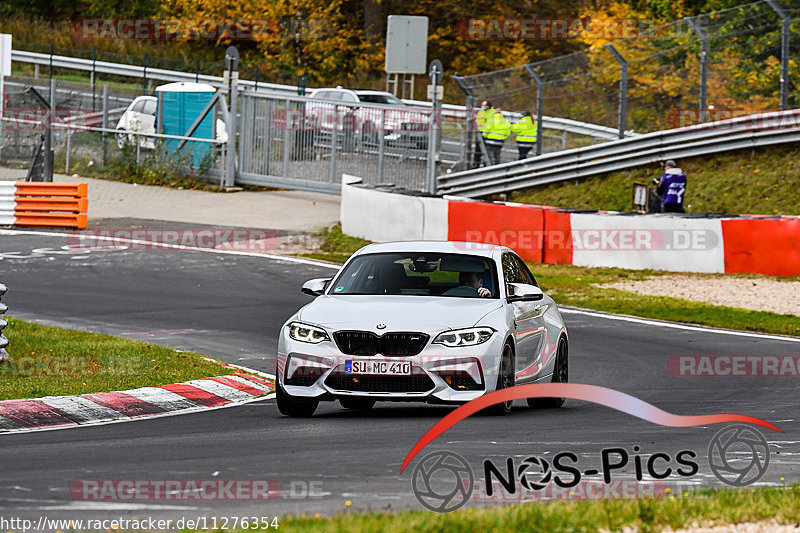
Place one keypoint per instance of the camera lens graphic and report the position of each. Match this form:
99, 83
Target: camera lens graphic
738, 455
442, 481
534, 473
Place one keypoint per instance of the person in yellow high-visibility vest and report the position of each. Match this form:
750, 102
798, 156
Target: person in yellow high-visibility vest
525, 130
480, 121
495, 133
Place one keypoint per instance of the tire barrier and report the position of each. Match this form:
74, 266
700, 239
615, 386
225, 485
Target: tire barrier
43, 204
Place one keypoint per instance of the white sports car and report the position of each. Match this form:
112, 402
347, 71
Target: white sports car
438, 322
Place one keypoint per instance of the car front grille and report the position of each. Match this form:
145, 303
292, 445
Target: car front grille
349, 382
367, 343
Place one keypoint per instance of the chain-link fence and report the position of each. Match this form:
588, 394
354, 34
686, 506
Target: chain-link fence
727, 63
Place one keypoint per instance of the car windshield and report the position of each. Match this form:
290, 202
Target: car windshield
386, 99
418, 274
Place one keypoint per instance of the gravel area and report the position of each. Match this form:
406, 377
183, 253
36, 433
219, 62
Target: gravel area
759, 294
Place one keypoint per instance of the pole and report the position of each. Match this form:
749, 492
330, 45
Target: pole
539, 107
703, 106
144, 76
230, 159
94, 74
48, 133
52, 47
468, 150
197, 70
382, 146
105, 121
785, 40
622, 111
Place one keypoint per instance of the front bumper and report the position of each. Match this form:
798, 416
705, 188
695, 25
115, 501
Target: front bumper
438, 373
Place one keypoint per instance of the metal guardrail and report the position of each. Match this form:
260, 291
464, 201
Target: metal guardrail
751, 131
137, 71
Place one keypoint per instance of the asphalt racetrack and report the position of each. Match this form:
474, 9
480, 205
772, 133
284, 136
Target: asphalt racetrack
231, 307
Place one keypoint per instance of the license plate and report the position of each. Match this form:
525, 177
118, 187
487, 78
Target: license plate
377, 367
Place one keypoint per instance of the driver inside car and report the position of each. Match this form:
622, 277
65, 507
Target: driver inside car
474, 280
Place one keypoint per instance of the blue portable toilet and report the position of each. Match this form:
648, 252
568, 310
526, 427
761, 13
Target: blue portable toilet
179, 105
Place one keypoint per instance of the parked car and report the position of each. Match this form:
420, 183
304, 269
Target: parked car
437, 322
403, 126
141, 117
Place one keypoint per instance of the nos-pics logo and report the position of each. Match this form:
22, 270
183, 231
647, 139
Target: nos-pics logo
443, 481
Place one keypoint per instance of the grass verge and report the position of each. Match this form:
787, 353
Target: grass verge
578, 286
742, 182
49, 361
718, 506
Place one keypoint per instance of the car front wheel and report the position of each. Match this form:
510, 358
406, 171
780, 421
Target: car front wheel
505, 380
560, 375
292, 406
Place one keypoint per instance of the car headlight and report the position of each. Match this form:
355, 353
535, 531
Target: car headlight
307, 333
464, 337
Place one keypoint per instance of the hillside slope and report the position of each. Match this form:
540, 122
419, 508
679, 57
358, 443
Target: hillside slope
766, 181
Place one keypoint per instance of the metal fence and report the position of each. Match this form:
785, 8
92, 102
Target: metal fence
727, 63
309, 143
85, 133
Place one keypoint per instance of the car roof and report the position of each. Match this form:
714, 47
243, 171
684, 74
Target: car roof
455, 247
368, 92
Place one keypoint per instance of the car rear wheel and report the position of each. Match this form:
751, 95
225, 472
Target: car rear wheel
292, 406
357, 404
560, 375
505, 380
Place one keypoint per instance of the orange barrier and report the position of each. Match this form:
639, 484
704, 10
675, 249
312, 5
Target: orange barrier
51, 204
762, 246
518, 227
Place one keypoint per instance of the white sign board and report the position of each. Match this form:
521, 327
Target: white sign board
407, 45
439, 92
5, 54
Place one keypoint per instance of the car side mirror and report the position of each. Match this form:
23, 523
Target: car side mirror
315, 287
522, 292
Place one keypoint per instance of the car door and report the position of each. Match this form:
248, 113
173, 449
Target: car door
529, 326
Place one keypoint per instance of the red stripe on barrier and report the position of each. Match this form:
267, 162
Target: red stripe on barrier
124, 403
239, 385
558, 238
196, 394
762, 246
519, 228
33, 414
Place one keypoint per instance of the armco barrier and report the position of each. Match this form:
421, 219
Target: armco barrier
43, 204
757, 244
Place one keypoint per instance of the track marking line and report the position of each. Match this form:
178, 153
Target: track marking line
674, 325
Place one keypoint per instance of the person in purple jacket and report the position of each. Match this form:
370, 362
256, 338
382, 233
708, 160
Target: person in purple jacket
671, 186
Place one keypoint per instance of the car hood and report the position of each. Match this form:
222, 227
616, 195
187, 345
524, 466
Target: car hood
399, 313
